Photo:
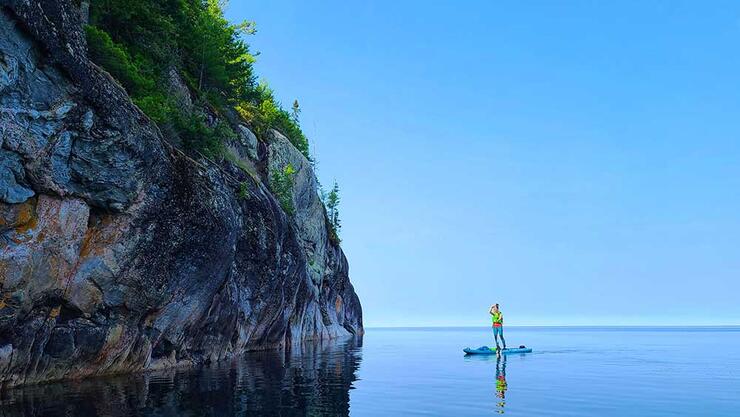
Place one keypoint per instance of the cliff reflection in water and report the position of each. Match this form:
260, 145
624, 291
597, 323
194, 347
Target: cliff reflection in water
314, 381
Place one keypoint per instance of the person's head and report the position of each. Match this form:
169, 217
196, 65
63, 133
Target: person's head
495, 307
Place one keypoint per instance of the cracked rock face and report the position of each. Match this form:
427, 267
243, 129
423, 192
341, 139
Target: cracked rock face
119, 253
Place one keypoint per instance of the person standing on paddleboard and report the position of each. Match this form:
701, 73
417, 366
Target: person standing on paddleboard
498, 325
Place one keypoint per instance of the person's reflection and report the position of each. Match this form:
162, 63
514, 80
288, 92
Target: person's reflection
500, 383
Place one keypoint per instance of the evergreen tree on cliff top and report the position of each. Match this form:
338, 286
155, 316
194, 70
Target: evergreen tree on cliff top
140, 42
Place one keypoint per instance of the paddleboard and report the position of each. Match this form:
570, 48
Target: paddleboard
485, 350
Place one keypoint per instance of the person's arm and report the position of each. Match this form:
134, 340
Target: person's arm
490, 311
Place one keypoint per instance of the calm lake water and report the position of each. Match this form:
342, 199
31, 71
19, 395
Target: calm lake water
572, 372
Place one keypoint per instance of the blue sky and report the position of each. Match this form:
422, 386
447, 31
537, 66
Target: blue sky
577, 162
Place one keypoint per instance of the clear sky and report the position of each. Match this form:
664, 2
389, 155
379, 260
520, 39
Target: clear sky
577, 162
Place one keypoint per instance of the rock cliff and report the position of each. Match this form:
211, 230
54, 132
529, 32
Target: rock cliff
120, 253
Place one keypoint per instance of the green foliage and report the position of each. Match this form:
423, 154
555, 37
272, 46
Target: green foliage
157, 106
146, 28
268, 114
191, 35
331, 202
281, 185
140, 41
197, 136
218, 57
114, 58
243, 190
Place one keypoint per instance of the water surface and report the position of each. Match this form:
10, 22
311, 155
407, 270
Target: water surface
572, 372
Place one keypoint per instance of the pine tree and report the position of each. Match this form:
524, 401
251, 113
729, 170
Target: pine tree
281, 185
296, 111
332, 208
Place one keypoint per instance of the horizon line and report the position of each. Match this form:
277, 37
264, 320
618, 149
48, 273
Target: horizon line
556, 325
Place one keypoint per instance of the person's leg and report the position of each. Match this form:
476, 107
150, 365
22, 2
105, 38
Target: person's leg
496, 335
501, 334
